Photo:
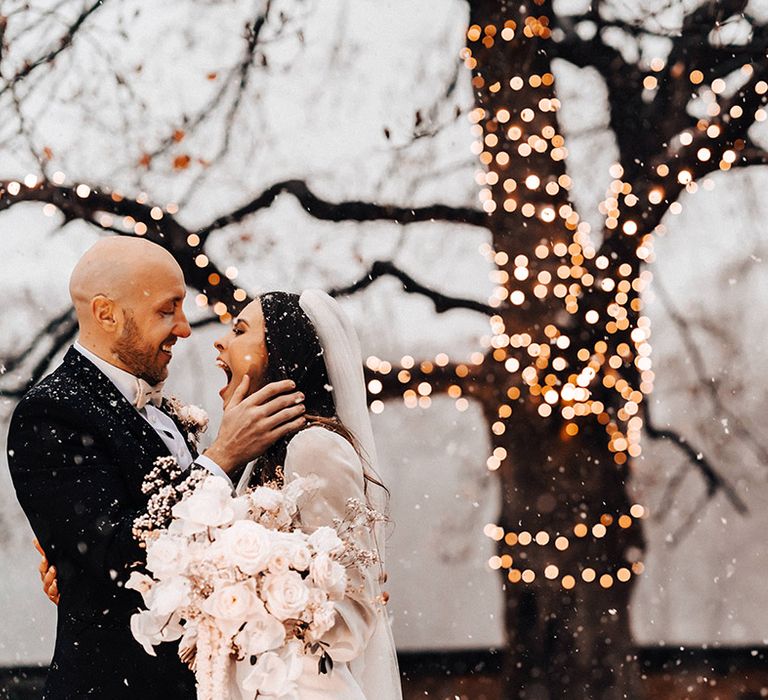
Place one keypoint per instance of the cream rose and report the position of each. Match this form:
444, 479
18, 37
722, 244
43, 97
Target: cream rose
301, 557
209, 506
279, 562
323, 619
266, 498
286, 594
248, 545
167, 555
317, 597
329, 575
287, 552
325, 539
234, 603
294, 547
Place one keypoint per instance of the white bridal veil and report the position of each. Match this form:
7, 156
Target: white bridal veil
376, 670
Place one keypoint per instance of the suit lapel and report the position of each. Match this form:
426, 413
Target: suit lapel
123, 419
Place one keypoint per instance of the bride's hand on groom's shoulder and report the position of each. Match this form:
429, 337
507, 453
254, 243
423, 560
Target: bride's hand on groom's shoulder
251, 424
47, 575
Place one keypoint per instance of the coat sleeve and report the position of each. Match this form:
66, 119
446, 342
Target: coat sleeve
72, 492
329, 456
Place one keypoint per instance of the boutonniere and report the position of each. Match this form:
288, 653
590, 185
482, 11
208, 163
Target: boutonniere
192, 418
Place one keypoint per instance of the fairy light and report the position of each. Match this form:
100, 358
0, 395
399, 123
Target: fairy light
603, 375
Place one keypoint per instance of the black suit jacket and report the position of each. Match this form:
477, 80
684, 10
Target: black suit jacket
78, 453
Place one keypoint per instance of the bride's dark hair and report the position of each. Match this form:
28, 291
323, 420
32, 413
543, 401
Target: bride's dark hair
294, 352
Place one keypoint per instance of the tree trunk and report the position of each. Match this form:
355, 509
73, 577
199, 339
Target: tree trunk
566, 638
567, 541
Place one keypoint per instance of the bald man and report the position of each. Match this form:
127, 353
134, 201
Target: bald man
80, 443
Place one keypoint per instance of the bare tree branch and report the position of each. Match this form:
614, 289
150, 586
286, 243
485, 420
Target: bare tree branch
63, 43
689, 521
58, 332
751, 155
239, 75
347, 211
667, 500
395, 382
86, 203
442, 302
684, 330
715, 482
11, 362
253, 32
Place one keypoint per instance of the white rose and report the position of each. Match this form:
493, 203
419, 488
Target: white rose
329, 575
293, 546
150, 629
273, 675
323, 619
247, 545
167, 555
325, 539
317, 597
301, 558
241, 507
260, 634
279, 562
266, 498
203, 553
171, 595
286, 594
195, 415
234, 603
210, 505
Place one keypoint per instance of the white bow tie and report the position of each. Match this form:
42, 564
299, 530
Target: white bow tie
148, 394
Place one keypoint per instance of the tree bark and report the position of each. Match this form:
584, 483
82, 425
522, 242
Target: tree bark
567, 637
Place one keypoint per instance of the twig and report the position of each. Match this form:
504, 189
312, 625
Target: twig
684, 330
64, 42
62, 330
715, 482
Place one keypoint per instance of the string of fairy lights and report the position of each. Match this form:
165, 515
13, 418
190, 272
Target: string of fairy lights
551, 572
545, 369
563, 379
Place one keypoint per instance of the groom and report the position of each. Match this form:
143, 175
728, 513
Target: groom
80, 443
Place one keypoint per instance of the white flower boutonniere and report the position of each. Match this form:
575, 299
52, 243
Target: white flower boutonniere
192, 418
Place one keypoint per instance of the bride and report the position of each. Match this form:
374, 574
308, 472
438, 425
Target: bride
309, 339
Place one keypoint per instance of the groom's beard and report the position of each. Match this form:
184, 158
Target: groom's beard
142, 360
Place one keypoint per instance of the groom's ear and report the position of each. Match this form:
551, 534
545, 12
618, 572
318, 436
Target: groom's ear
104, 312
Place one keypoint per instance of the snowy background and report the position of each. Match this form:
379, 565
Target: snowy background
333, 99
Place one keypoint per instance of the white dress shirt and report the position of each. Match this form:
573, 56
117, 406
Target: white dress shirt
163, 425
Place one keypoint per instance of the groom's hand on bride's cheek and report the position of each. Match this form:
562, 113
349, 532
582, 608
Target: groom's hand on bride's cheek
251, 424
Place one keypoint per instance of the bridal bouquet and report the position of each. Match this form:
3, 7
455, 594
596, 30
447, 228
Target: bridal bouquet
235, 579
